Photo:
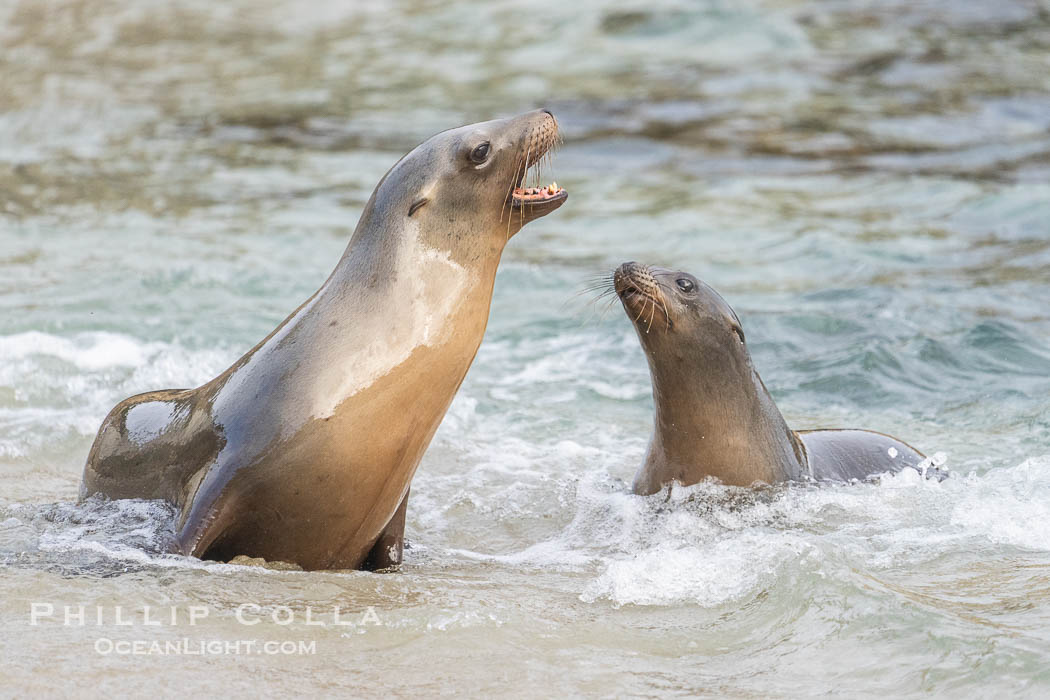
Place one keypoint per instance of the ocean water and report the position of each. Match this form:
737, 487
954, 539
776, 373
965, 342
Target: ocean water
866, 183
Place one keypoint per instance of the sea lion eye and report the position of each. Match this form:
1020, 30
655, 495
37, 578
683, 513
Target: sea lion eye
739, 333
480, 153
685, 285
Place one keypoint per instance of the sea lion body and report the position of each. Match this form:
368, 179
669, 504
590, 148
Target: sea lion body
847, 455
713, 416
303, 450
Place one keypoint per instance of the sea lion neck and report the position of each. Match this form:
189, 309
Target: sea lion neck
714, 417
380, 244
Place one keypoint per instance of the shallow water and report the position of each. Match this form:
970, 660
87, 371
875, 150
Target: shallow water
866, 183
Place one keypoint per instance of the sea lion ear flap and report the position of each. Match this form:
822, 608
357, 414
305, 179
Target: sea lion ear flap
417, 205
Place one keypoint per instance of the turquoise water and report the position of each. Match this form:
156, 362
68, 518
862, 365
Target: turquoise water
866, 183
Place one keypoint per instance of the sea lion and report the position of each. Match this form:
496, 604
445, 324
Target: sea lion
303, 450
713, 415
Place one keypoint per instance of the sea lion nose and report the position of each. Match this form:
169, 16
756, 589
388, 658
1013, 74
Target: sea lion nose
546, 114
624, 275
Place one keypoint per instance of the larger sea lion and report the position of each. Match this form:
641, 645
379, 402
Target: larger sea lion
713, 415
303, 450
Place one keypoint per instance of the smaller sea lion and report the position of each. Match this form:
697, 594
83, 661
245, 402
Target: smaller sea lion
713, 415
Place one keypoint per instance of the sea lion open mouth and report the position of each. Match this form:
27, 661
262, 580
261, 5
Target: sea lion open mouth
537, 200
534, 196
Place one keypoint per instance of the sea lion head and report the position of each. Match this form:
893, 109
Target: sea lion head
469, 182
673, 309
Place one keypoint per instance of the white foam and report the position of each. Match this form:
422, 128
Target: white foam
1008, 506
627, 391
125, 532
66, 384
719, 572
89, 351
710, 545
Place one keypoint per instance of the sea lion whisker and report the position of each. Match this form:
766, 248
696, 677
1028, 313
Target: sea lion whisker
602, 292
589, 297
663, 295
605, 311
598, 313
510, 193
602, 286
599, 279
592, 311
667, 316
645, 304
612, 299
604, 295
663, 286
643, 307
592, 303
528, 153
510, 197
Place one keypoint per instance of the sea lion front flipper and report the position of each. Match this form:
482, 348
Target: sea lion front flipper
390, 547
